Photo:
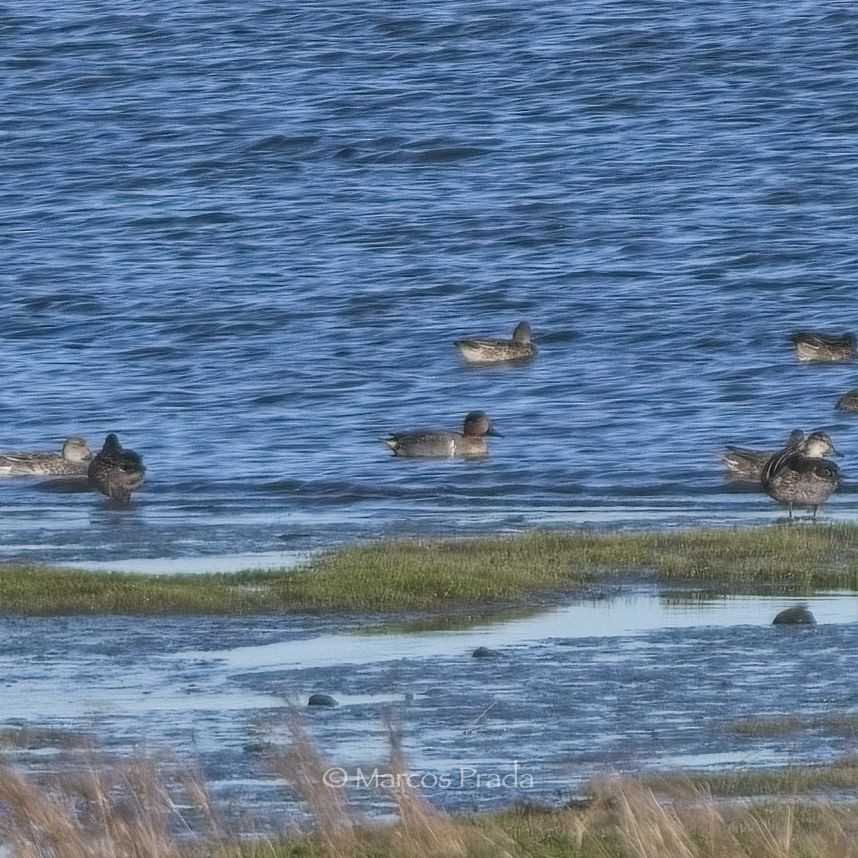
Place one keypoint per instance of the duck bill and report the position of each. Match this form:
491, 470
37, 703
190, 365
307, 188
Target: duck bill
494, 431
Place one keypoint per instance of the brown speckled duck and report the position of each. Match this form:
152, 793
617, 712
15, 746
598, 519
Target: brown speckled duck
116, 472
815, 347
800, 475
72, 461
520, 348
439, 444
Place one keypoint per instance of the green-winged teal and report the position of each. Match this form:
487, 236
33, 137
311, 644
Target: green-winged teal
800, 475
471, 441
72, 461
742, 463
116, 472
520, 348
815, 347
849, 401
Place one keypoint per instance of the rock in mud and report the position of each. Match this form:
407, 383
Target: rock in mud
798, 615
484, 652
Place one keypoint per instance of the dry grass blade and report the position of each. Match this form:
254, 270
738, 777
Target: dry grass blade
304, 769
108, 810
37, 824
424, 831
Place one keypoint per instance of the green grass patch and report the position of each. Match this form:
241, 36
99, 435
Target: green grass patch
836, 724
779, 782
425, 575
30, 738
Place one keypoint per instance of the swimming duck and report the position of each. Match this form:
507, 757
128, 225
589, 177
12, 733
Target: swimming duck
812, 346
800, 474
470, 441
520, 348
744, 464
116, 472
849, 401
70, 462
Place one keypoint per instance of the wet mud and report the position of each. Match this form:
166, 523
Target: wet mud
639, 681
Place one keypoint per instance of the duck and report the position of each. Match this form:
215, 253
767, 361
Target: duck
744, 464
815, 347
72, 461
116, 472
801, 475
849, 401
520, 348
440, 444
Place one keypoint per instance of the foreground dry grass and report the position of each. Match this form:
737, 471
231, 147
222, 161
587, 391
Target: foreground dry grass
129, 810
409, 575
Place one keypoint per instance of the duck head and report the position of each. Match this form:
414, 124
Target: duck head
478, 424
817, 445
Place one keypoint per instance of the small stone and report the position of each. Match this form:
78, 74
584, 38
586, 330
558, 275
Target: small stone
484, 652
321, 700
798, 615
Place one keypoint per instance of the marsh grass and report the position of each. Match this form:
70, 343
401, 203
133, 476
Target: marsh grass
425, 575
837, 724
785, 781
132, 809
23, 737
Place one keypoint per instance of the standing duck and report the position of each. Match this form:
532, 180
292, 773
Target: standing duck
814, 347
439, 444
744, 464
116, 472
520, 348
72, 461
800, 475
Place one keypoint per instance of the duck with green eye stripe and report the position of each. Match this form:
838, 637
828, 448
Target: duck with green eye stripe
441, 444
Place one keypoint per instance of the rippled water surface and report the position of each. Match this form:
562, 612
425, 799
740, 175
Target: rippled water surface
244, 236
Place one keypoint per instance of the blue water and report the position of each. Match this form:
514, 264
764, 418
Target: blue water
243, 235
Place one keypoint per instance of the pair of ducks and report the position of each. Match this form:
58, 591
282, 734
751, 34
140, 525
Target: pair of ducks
798, 474
471, 441
114, 471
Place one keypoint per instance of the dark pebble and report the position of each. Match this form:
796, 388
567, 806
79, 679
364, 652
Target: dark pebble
798, 615
256, 749
321, 700
484, 652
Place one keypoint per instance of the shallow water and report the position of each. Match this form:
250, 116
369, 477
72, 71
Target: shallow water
626, 681
244, 236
